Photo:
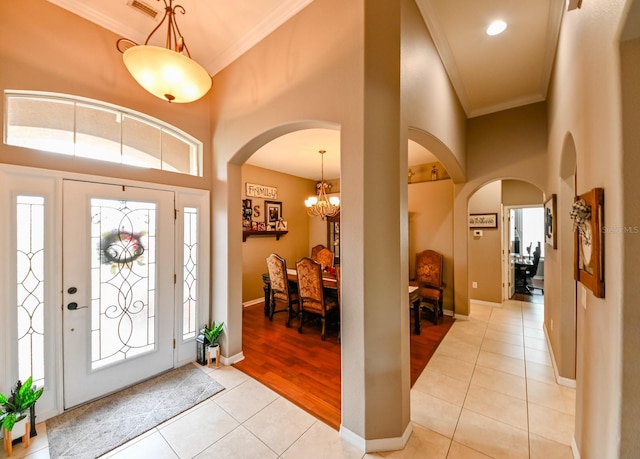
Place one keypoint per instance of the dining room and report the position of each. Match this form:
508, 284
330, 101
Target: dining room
302, 366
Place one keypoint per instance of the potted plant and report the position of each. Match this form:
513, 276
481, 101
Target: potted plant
14, 408
212, 334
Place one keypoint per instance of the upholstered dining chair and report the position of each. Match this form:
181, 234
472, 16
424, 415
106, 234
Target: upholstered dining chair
283, 298
311, 293
325, 258
429, 274
314, 251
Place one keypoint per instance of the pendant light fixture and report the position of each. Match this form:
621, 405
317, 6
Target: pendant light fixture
168, 73
322, 206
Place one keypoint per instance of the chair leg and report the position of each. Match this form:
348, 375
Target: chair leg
272, 308
300, 321
289, 311
324, 323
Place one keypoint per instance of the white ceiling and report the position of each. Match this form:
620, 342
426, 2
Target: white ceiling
488, 73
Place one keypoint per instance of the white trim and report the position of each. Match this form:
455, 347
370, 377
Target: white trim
232, 359
461, 317
449, 312
574, 448
567, 382
54, 374
484, 303
162, 126
377, 444
199, 199
252, 302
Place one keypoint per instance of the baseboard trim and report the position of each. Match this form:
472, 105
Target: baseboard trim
232, 359
461, 317
484, 303
566, 382
253, 302
378, 444
574, 449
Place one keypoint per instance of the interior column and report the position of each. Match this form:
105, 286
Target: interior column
375, 313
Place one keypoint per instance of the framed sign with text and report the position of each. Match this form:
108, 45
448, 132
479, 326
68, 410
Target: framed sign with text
253, 190
483, 220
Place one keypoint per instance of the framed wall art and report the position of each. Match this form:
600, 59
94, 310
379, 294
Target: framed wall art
483, 220
550, 209
272, 211
587, 213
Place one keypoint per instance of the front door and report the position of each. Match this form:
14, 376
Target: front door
118, 287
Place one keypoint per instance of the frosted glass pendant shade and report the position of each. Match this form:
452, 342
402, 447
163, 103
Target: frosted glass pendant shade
167, 74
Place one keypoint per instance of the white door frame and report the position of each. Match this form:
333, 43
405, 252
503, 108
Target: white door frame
27, 180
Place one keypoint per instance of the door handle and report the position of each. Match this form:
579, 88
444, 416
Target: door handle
72, 306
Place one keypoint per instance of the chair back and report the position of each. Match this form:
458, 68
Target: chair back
325, 258
277, 267
429, 269
310, 285
315, 250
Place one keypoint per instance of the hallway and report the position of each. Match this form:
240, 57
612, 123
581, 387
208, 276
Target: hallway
488, 391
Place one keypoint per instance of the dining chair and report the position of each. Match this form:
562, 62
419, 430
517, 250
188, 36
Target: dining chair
315, 250
283, 297
429, 273
311, 293
325, 258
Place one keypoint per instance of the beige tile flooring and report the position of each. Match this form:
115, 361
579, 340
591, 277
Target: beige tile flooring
488, 392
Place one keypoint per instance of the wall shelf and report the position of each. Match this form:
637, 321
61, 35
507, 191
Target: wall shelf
247, 233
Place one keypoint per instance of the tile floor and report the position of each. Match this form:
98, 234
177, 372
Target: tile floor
488, 392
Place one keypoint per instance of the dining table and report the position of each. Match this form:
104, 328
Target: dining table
329, 281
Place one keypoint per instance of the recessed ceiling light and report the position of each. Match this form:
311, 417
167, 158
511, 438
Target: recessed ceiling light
496, 27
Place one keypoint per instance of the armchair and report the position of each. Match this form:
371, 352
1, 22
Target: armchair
281, 294
311, 293
429, 274
314, 251
325, 258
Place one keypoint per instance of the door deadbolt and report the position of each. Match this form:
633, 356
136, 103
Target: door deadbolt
72, 290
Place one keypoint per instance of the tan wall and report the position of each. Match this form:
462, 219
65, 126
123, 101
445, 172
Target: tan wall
431, 227
294, 245
631, 320
332, 64
585, 106
63, 53
506, 145
519, 193
484, 251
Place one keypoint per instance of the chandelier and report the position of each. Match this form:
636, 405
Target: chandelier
168, 73
322, 206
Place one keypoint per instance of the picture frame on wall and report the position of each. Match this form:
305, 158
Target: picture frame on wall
483, 220
272, 211
550, 219
588, 215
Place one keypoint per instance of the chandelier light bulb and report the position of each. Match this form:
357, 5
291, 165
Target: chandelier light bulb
322, 206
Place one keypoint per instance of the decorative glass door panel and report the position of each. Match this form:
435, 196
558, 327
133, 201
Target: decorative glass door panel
118, 249
122, 278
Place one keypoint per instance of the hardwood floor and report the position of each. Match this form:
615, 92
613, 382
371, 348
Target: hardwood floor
306, 370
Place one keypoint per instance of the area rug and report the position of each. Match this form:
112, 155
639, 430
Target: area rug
100, 426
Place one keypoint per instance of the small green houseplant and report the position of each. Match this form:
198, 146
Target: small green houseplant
14, 408
213, 333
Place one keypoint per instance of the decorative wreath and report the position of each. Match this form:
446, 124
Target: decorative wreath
580, 214
121, 247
